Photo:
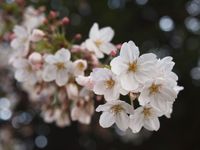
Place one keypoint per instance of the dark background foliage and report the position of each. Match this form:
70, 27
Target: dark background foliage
140, 21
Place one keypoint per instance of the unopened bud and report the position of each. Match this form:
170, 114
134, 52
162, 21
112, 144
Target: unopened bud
113, 53
35, 58
37, 35
53, 14
65, 21
78, 36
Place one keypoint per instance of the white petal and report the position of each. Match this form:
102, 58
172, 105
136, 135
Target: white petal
144, 97
99, 88
106, 119
104, 107
50, 59
62, 77
21, 75
111, 94
90, 45
63, 55
129, 51
107, 48
122, 121
20, 31
152, 124
106, 34
94, 31
118, 66
128, 82
49, 73
128, 108
150, 57
20, 63
136, 122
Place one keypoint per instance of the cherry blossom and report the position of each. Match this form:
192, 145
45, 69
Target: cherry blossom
99, 40
115, 111
58, 67
132, 69
145, 116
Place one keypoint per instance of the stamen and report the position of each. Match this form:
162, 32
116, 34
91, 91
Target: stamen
147, 112
117, 109
98, 43
109, 83
60, 65
132, 67
154, 88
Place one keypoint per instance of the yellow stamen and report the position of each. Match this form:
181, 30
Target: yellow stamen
98, 43
154, 88
147, 112
109, 83
60, 65
117, 108
80, 66
132, 67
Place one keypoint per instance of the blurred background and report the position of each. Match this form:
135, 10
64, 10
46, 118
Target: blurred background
165, 27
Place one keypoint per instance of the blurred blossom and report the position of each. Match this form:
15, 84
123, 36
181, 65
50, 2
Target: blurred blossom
193, 24
141, 2
193, 7
5, 112
41, 141
10, 1
116, 4
195, 73
166, 23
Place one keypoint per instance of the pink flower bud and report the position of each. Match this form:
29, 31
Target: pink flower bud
78, 36
53, 14
113, 53
37, 35
65, 21
35, 59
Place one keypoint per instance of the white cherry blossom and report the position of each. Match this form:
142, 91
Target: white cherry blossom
99, 40
58, 67
79, 66
85, 81
84, 107
21, 41
164, 68
106, 83
145, 116
24, 71
158, 93
32, 18
132, 69
115, 111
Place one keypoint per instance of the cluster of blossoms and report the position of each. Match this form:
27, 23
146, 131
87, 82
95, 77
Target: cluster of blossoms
64, 79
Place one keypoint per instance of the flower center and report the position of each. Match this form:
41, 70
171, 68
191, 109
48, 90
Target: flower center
132, 67
60, 65
146, 111
154, 88
117, 108
98, 43
109, 83
80, 66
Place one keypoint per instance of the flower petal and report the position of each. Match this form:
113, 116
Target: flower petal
122, 121
106, 119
